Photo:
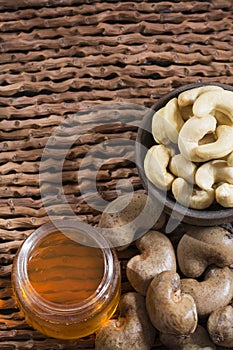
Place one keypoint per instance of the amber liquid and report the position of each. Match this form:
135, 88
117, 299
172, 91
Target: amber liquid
63, 271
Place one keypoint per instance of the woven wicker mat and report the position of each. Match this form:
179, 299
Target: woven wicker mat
59, 57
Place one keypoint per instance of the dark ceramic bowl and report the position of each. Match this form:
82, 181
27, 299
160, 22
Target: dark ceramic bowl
215, 214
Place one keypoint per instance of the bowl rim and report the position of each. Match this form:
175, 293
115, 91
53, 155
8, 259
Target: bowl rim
171, 207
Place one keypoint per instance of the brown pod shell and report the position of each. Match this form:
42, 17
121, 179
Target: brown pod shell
203, 246
157, 255
170, 310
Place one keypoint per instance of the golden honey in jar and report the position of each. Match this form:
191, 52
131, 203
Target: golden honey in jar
66, 279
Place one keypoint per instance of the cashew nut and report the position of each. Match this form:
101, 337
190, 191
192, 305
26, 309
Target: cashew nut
170, 310
199, 340
202, 246
155, 165
173, 121
133, 329
220, 148
219, 326
182, 167
198, 127
158, 129
215, 291
189, 96
157, 255
224, 195
211, 101
191, 197
166, 123
191, 132
212, 173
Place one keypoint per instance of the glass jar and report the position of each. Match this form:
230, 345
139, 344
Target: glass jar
66, 279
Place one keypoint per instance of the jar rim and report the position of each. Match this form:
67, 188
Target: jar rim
89, 232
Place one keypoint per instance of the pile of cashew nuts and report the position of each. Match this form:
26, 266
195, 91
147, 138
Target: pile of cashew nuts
183, 287
193, 155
